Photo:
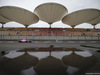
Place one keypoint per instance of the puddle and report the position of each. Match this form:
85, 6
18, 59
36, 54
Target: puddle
48, 61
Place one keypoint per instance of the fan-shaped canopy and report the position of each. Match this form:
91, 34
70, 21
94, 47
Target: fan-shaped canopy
81, 16
19, 15
50, 12
95, 21
3, 20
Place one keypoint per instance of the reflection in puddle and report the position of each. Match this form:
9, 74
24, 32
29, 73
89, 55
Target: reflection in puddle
47, 61
77, 61
50, 66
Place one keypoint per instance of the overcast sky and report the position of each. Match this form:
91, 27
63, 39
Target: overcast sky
71, 5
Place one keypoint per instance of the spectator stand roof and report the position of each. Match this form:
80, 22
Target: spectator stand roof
50, 12
3, 20
81, 16
19, 15
95, 21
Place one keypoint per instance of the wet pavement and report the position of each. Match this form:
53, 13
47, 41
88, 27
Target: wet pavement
51, 61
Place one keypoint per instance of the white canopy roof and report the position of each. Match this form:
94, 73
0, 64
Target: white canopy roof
50, 12
3, 20
19, 15
95, 21
81, 16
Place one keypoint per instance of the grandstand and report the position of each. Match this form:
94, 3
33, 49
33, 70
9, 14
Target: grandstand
43, 13
50, 34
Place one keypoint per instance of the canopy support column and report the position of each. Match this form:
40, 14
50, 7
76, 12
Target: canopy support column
50, 25
2, 25
26, 26
73, 27
94, 27
50, 28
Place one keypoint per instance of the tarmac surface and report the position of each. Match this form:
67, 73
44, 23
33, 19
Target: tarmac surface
90, 48
16, 46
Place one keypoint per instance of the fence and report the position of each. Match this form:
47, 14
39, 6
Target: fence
16, 37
